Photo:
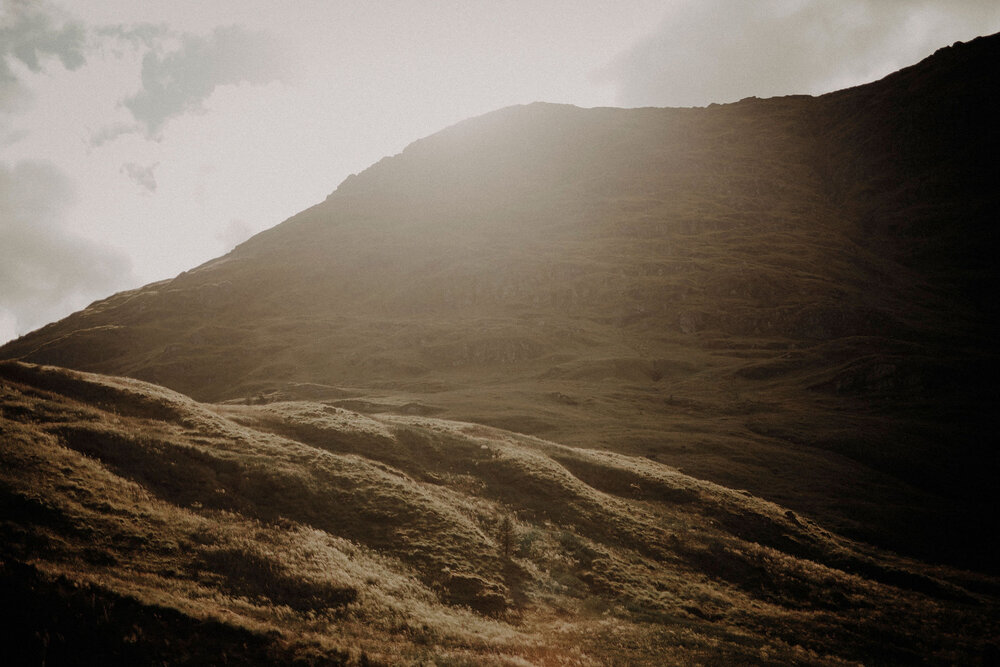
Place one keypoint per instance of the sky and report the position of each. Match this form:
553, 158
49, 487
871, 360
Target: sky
140, 138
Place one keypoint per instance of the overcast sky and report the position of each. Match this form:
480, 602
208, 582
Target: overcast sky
139, 138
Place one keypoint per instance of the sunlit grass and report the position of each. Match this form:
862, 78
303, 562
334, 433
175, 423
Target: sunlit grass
322, 532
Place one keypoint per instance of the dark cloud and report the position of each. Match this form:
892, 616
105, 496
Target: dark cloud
9, 136
179, 71
145, 35
723, 50
45, 272
31, 33
142, 176
179, 81
111, 132
13, 94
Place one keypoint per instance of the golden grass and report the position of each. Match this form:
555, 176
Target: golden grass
323, 532
771, 295
792, 298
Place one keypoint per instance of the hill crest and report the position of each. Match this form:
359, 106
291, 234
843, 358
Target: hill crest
807, 279
300, 531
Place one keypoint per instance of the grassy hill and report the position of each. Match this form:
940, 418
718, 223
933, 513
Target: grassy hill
793, 296
676, 384
138, 525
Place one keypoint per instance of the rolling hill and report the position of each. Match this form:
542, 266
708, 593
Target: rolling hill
139, 526
762, 335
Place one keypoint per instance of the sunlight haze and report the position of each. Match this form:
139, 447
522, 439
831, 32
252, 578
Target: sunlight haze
140, 139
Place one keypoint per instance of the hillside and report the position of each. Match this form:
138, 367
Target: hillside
139, 525
792, 296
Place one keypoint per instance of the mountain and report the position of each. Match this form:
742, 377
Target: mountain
771, 294
762, 335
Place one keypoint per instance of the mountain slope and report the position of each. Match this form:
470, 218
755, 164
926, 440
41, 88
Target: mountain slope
138, 524
791, 296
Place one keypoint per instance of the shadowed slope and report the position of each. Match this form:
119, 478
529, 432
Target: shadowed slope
305, 531
792, 296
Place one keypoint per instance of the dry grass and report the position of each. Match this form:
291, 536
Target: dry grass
770, 295
777, 317
322, 534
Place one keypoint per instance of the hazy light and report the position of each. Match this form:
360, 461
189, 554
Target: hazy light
184, 126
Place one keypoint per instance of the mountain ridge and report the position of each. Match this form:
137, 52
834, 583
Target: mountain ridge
754, 292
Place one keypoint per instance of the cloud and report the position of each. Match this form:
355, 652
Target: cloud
179, 70
146, 35
142, 176
8, 136
721, 51
30, 33
179, 81
111, 132
46, 272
